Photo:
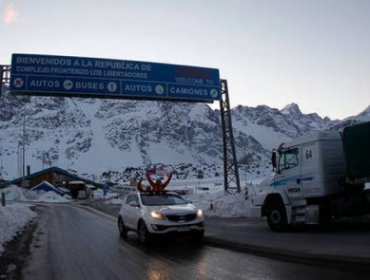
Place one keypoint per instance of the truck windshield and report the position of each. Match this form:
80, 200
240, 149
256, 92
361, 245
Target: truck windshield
162, 199
289, 159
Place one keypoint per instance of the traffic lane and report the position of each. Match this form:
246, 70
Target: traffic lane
71, 243
346, 240
220, 263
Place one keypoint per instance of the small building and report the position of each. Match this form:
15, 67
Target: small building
57, 177
77, 189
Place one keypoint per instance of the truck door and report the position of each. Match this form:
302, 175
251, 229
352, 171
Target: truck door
288, 169
311, 176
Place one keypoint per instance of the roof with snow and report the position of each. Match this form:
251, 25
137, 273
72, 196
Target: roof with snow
47, 187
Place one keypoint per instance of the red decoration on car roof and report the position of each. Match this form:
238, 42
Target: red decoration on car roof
157, 186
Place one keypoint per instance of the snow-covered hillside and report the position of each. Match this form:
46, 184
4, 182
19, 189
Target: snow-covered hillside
93, 136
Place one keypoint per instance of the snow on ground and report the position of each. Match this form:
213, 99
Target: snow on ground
16, 194
13, 217
15, 214
220, 204
52, 197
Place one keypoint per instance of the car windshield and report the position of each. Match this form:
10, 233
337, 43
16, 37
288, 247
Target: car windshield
163, 199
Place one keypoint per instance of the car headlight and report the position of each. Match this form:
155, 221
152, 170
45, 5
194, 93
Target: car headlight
156, 215
200, 213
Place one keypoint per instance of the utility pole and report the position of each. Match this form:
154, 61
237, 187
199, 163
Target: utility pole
1, 78
1, 163
24, 148
231, 171
2, 176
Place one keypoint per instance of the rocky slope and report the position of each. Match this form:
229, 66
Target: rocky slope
93, 136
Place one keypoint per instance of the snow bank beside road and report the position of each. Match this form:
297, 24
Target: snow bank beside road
17, 194
52, 197
13, 217
220, 204
12, 220
14, 193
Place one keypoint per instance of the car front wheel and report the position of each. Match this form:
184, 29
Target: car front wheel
143, 234
198, 237
122, 228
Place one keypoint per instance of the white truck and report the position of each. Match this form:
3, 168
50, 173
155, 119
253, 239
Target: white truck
316, 178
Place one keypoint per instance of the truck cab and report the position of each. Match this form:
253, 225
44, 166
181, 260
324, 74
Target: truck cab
308, 184
314, 164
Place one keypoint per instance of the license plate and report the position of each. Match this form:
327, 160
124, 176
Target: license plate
183, 229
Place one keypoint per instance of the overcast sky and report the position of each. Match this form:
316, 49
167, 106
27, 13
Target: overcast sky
315, 53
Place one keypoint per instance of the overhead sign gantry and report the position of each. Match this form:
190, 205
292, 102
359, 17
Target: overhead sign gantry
108, 78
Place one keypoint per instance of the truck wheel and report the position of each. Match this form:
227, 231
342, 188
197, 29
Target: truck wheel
276, 216
324, 216
143, 234
122, 228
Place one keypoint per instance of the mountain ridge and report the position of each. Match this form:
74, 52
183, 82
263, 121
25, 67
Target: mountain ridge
95, 136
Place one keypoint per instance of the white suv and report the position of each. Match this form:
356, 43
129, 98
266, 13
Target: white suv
153, 214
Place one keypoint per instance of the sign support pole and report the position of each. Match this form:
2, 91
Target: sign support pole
4, 76
231, 172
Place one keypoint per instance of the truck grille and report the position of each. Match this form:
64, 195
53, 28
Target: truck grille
181, 218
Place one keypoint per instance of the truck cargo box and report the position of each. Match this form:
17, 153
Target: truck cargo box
356, 144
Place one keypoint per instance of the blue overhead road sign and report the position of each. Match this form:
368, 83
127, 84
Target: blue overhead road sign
109, 78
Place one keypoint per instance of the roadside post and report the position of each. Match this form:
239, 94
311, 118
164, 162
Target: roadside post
2, 199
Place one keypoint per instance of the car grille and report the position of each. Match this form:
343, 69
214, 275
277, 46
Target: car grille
181, 218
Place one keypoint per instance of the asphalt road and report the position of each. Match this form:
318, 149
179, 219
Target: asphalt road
344, 242
72, 243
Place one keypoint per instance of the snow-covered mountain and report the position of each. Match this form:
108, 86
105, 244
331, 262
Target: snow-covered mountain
93, 136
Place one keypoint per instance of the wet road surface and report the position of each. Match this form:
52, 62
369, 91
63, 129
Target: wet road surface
73, 243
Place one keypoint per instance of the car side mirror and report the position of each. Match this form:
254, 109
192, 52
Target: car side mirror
134, 204
273, 159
